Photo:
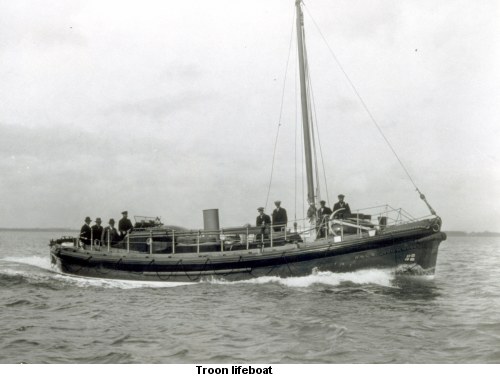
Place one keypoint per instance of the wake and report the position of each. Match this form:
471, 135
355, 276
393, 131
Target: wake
44, 271
382, 277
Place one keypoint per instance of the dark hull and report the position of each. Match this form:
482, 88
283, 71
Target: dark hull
412, 249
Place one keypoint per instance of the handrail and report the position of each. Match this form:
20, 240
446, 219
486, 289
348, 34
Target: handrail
243, 234
198, 237
248, 231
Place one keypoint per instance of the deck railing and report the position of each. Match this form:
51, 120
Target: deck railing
365, 224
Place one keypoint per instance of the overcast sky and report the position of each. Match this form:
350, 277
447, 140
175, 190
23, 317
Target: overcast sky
166, 108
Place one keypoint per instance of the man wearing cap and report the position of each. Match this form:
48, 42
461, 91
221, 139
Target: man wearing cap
324, 213
97, 231
110, 233
279, 217
341, 214
86, 232
263, 221
124, 225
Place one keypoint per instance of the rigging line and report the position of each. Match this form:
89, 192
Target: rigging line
302, 164
315, 125
314, 137
353, 87
301, 134
281, 112
319, 137
295, 146
298, 130
422, 196
311, 122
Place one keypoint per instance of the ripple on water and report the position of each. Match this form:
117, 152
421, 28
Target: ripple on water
360, 317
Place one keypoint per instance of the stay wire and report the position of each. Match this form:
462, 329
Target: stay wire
281, 113
316, 194
422, 196
319, 138
295, 151
353, 87
298, 129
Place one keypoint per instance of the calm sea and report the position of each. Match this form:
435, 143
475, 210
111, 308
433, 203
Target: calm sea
368, 316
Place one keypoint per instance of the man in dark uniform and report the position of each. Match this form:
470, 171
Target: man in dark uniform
324, 213
279, 217
124, 225
263, 221
342, 214
110, 233
97, 231
86, 232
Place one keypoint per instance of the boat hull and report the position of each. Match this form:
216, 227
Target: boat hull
407, 251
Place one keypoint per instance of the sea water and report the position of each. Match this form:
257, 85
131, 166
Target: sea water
369, 316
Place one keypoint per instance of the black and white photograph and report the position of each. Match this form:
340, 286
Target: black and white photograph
236, 187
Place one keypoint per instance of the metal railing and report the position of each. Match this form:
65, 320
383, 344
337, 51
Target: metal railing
256, 237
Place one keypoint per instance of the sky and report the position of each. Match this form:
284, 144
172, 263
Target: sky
168, 108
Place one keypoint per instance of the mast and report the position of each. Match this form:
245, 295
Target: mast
303, 99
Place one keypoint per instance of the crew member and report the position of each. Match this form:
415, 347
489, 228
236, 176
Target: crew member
280, 218
341, 204
86, 232
97, 231
263, 221
110, 234
324, 213
124, 225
